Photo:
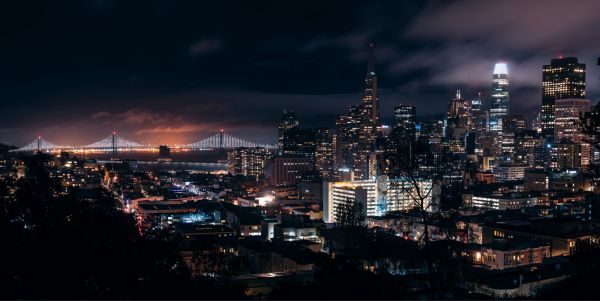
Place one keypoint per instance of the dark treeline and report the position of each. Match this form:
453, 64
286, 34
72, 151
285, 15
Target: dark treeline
56, 246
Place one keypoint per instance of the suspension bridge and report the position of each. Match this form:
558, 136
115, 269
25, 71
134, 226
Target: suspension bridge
114, 143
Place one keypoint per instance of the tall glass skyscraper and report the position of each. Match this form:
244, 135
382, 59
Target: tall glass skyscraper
500, 98
563, 78
287, 122
405, 116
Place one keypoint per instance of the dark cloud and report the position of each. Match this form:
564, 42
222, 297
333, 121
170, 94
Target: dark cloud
470, 36
178, 71
205, 46
555, 25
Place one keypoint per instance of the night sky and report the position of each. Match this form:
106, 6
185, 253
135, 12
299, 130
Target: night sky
178, 71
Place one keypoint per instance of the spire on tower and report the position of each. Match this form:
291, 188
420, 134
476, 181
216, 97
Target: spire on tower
371, 65
457, 93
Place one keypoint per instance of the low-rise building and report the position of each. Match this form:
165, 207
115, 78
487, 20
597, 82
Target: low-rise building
296, 227
536, 180
564, 236
520, 282
505, 201
508, 173
502, 254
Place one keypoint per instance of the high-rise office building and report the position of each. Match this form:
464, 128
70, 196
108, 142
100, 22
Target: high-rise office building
405, 118
511, 125
500, 97
514, 123
288, 170
566, 119
369, 121
370, 99
529, 149
396, 150
324, 153
288, 122
563, 78
346, 140
476, 104
480, 126
357, 131
459, 122
248, 161
499, 107
298, 142
569, 155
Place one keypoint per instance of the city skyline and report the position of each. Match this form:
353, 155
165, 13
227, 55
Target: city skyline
70, 96
280, 150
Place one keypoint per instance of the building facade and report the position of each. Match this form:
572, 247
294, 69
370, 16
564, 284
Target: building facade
287, 122
287, 171
503, 202
500, 97
567, 113
563, 78
379, 196
357, 131
248, 161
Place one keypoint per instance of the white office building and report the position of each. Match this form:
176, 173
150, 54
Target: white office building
378, 196
503, 202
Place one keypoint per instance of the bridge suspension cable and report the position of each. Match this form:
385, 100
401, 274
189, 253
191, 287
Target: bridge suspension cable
114, 141
40, 144
224, 140
221, 140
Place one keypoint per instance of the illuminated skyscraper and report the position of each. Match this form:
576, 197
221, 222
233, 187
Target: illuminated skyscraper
476, 104
346, 141
398, 150
369, 121
405, 116
248, 161
499, 107
566, 118
459, 122
370, 100
324, 153
357, 131
288, 122
500, 98
563, 78
479, 117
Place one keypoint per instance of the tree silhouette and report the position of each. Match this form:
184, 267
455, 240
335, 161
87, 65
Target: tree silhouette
350, 214
57, 246
427, 166
590, 126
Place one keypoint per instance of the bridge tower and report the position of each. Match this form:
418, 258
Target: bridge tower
39, 143
114, 144
221, 138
